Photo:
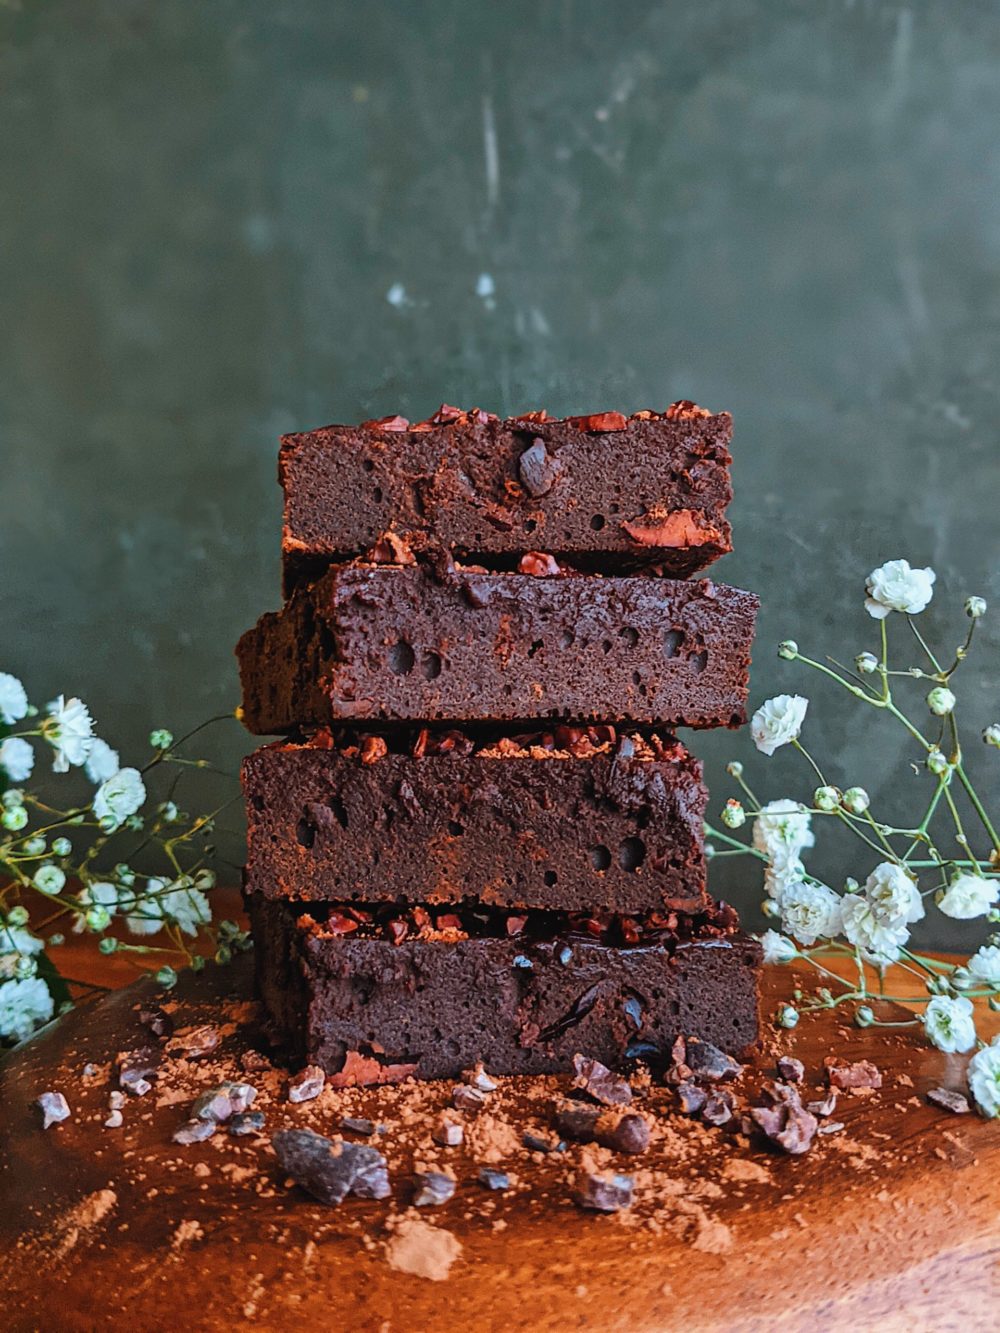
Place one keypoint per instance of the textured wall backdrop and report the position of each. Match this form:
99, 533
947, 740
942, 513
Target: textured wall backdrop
221, 221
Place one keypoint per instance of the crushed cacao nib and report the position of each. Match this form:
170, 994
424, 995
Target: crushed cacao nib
493, 1179
136, 1069
246, 1122
373, 748
358, 1125
156, 1021
949, 1100
195, 1042
254, 1062
391, 549
432, 1188
825, 1107
849, 1075
448, 1132
194, 1131
582, 741
220, 1103
307, 1084
477, 1077
600, 422
691, 1098
539, 564
538, 470
331, 1171
790, 1069
53, 1107
708, 1064
628, 1133
539, 1143
466, 1098
831, 1127
604, 1193
718, 1108
784, 1119
598, 1082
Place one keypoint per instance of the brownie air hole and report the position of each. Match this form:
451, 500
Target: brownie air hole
536, 647
368, 465
455, 828
567, 638
339, 810
430, 666
550, 877
401, 658
600, 857
631, 853
305, 833
629, 635
699, 661
672, 641
597, 522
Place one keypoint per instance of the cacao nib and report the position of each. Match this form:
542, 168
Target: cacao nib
708, 1064
718, 1108
307, 1084
246, 1122
949, 1100
691, 1098
432, 1188
331, 1171
604, 1194
538, 471
597, 1081
848, 1075
492, 1179
358, 1125
54, 1108
790, 1069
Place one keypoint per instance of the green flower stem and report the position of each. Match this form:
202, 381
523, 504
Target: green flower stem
815, 767
939, 674
977, 805
962, 839
718, 835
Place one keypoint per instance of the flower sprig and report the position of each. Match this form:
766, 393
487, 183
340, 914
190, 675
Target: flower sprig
75, 863
869, 922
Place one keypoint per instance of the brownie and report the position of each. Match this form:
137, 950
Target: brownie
456, 643
577, 818
653, 486
369, 1010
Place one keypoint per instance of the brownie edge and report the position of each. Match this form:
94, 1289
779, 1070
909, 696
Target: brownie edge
370, 1011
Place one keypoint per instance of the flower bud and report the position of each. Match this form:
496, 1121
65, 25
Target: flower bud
788, 649
733, 814
61, 847
124, 874
941, 701
993, 916
826, 798
25, 967
98, 919
851, 885
933, 986
12, 796
994, 1003
161, 739
962, 978
991, 734
18, 916
975, 607
108, 944
166, 977
866, 663
709, 850
864, 1016
787, 1016
735, 768
14, 818
937, 761
197, 963
770, 908
54, 941
856, 800
107, 823
168, 812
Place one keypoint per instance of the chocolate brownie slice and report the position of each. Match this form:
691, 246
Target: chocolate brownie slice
572, 819
459, 644
369, 1010
653, 485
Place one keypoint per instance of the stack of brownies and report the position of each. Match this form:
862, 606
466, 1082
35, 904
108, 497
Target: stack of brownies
479, 839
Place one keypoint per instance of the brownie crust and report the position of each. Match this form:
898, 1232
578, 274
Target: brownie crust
370, 1011
460, 644
653, 486
510, 824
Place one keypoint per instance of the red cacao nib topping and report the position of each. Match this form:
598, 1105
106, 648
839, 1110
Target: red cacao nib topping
579, 742
393, 423
538, 564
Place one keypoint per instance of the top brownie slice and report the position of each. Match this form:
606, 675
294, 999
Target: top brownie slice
649, 488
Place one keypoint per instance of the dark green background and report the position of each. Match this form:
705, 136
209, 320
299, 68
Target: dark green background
786, 209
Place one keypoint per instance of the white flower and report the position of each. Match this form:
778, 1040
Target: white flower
968, 896
878, 940
16, 942
102, 762
49, 878
13, 700
17, 758
809, 911
777, 948
69, 729
941, 701
778, 721
984, 1078
782, 827
948, 1023
24, 1005
99, 893
984, 964
120, 796
895, 586
188, 907
144, 912
893, 895
784, 871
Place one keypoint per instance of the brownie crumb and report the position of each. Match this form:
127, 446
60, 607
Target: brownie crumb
851, 1075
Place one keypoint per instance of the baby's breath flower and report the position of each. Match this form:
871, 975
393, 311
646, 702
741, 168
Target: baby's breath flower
984, 1078
782, 829
35, 846
866, 927
788, 649
11, 797
97, 894
49, 878
937, 761
124, 874
18, 915
991, 734
975, 607
856, 800
168, 812
17, 758
24, 1005
69, 729
777, 948
161, 739
108, 944
144, 912
941, 701
778, 721
968, 896
98, 919
13, 699
61, 846
809, 911
984, 965
893, 895
733, 814
948, 1023
119, 797
788, 1016
826, 798
864, 1016
896, 586
14, 818
187, 907
770, 908
205, 879
734, 768
102, 762
866, 663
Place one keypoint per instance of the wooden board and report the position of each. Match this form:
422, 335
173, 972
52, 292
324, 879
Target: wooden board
893, 1222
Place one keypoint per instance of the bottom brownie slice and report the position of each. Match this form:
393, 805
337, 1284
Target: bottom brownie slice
369, 1010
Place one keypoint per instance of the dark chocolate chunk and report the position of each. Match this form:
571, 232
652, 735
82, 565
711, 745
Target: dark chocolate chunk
537, 470
604, 1194
784, 1119
330, 1171
307, 1084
